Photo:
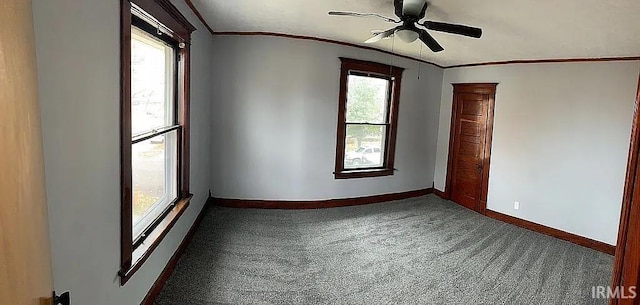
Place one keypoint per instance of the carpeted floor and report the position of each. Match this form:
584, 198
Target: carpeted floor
416, 251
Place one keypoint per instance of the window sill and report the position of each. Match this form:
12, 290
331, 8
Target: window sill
364, 173
144, 250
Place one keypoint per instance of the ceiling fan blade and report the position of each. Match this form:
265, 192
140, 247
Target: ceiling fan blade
382, 35
453, 28
429, 41
354, 14
376, 32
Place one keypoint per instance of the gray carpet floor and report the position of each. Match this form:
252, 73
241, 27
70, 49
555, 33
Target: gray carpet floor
417, 251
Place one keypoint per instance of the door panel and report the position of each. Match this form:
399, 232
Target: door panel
469, 128
469, 150
471, 104
472, 119
25, 260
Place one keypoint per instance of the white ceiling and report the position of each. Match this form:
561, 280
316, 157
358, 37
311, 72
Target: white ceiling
512, 29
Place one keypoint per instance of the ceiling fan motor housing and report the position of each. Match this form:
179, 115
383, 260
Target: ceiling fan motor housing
410, 13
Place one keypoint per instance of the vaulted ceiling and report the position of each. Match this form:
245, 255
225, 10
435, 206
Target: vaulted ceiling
512, 30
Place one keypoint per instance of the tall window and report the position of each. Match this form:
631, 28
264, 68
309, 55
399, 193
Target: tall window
154, 126
367, 119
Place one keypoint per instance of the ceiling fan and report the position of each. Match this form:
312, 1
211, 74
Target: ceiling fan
410, 13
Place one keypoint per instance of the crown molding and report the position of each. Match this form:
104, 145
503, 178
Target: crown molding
543, 61
323, 40
492, 63
197, 13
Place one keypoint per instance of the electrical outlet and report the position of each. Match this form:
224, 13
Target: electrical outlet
516, 205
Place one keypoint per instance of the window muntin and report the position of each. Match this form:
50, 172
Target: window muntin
367, 119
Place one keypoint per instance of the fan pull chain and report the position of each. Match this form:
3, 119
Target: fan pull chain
393, 44
420, 63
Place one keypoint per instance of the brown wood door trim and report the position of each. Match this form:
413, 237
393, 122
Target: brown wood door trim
626, 266
477, 88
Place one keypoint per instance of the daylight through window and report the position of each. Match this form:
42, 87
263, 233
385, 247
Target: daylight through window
154, 155
367, 120
154, 126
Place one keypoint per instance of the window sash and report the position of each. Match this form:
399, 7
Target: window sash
176, 31
387, 98
146, 221
145, 33
383, 151
369, 69
385, 124
170, 103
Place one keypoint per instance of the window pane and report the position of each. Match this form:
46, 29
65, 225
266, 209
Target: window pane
366, 99
155, 180
364, 146
152, 82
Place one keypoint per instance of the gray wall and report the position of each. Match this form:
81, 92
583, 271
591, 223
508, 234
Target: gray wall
264, 113
78, 54
560, 142
275, 115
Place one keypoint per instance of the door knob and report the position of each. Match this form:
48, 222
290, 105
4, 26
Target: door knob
62, 299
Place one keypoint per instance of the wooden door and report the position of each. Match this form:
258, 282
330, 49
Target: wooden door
470, 144
626, 272
25, 260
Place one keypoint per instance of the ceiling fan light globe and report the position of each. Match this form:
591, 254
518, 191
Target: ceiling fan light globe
407, 36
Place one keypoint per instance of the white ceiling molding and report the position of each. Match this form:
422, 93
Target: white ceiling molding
524, 30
